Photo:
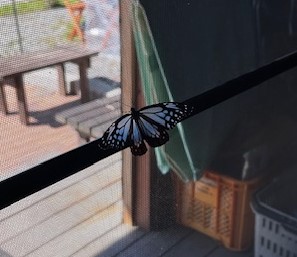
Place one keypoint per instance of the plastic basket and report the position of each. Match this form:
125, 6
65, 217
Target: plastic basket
275, 207
219, 206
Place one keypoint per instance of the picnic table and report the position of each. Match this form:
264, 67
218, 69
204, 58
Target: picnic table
12, 70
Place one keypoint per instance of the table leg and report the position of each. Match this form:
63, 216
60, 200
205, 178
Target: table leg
22, 103
62, 80
84, 82
3, 103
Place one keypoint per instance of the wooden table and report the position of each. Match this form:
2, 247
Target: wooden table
12, 70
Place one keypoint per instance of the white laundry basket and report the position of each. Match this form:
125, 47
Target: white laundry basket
275, 207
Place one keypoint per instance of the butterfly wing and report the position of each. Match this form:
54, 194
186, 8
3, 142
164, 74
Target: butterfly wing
122, 133
138, 146
154, 120
149, 124
117, 136
154, 134
166, 115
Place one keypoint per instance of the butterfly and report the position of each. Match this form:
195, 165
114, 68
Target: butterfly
147, 124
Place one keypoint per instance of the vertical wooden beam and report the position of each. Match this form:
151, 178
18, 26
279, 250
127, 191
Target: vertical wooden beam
147, 194
3, 103
154, 202
142, 174
83, 65
61, 79
128, 80
21, 97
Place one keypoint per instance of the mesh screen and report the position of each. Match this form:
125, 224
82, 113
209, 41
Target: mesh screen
36, 29
83, 213
54, 104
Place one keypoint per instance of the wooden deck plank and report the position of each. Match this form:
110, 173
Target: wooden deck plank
85, 232
222, 252
65, 115
98, 131
86, 127
99, 113
156, 243
60, 223
109, 163
52, 205
193, 244
112, 242
74, 121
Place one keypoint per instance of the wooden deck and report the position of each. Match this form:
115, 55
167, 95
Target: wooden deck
26, 146
63, 218
82, 216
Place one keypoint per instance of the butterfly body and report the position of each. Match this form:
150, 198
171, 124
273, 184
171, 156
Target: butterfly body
147, 124
134, 113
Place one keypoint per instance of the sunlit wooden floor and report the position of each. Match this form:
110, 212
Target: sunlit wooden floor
25, 146
82, 216
172, 242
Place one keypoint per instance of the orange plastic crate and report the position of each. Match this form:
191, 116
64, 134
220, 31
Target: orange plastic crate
219, 206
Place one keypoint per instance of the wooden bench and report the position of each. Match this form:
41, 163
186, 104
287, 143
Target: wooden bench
12, 70
92, 119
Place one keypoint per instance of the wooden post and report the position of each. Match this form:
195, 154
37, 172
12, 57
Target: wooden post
142, 175
83, 65
154, 198
147, 194
3, 103
128, 81
21, 96
61, 79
